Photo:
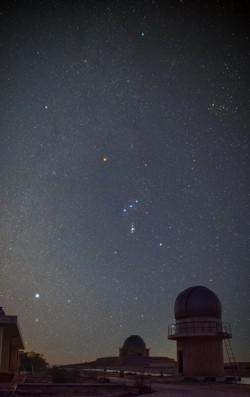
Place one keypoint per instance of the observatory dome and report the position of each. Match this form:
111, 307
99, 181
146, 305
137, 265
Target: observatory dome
197, 301
134, 342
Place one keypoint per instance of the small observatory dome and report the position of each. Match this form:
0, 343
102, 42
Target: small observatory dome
133, 347
134, 342
197, 301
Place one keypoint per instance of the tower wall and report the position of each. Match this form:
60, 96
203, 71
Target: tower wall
1, 345
201, 356
6, 352
9, 353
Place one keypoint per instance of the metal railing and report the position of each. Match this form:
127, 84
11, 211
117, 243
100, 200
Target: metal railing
192, 328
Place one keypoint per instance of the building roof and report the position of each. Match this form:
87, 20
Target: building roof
11, 324
197, 301
134, 342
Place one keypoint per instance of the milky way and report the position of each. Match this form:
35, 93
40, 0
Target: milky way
124, 167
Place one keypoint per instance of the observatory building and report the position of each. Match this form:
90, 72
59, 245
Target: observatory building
134, 347
133, 356
199, 333
10, 344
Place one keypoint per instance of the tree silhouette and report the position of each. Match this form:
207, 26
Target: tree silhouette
32, 361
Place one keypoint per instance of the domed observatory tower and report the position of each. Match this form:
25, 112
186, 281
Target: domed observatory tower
199, 333
133, 347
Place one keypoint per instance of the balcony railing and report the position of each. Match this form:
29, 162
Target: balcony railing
199, 328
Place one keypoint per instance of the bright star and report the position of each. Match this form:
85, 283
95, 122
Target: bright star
132, 228
37, 296
105, 159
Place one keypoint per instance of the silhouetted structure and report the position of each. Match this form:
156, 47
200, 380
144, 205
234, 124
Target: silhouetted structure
199, 333
10, 344
133, 347
133, 356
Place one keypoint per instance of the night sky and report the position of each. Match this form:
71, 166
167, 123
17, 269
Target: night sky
124, 168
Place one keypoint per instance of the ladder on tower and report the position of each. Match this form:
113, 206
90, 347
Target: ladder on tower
231, 358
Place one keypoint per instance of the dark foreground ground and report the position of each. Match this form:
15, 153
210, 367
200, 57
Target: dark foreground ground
41, 385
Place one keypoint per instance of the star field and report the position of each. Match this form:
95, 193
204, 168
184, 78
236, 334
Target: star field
124, 169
